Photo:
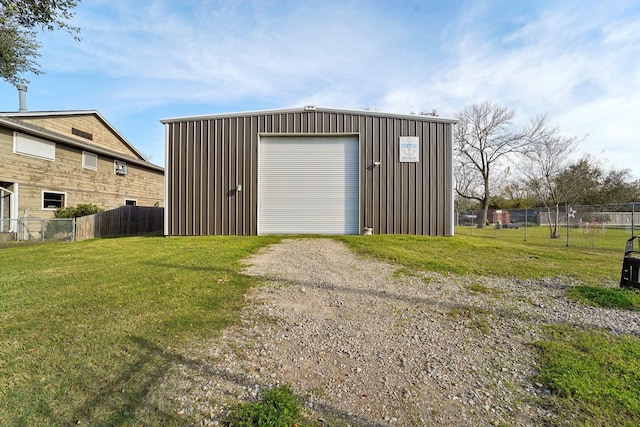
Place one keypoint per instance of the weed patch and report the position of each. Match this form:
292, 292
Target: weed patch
475, 317
626, 299
277, 408
479, 288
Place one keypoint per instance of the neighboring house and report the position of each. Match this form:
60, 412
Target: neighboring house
55, 159
309, 171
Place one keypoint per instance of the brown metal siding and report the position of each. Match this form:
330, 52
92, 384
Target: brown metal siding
208, 157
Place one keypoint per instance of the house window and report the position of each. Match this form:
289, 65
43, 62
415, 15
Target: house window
130, 202
89, 160
53, 200
32, 146
120, 167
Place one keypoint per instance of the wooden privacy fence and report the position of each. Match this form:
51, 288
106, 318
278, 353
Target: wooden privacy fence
123, 221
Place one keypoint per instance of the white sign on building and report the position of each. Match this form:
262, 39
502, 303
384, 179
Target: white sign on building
409, 149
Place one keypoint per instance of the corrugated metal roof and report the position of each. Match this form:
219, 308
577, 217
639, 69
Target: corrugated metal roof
311, 109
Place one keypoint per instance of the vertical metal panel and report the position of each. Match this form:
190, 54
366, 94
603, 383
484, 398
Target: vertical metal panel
207, 158
183, 187
167, 156
394, 182
252, 177
196, 178
176, 184
388, 165
449, 154
169, 170
412, 185
432, 178
234, 167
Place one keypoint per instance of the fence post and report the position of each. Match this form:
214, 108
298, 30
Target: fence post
633, 214
526, 223
566, 208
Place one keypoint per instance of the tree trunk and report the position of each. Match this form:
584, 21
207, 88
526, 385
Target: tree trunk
554, 229
555, 233
550, 221
483, 218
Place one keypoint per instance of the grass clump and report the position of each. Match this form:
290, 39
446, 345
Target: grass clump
626, 299
474, 317
594, 376
277, 408
478, 288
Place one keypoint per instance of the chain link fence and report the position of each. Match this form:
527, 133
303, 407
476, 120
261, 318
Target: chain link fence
23, 230
592, 226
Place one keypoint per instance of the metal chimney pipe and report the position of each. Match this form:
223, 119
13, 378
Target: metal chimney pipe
22, 91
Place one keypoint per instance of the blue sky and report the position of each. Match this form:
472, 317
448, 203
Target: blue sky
140, 61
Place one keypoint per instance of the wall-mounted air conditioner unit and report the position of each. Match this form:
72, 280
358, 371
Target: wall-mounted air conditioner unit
120, 167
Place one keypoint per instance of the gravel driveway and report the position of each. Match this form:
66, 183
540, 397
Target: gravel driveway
363, 342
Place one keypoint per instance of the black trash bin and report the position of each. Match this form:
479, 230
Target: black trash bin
631, 265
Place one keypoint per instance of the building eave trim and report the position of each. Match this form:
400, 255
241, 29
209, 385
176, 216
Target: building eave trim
68, 113
62, 139
311, 110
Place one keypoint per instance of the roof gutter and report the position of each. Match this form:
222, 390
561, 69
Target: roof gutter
43, 133
26, 113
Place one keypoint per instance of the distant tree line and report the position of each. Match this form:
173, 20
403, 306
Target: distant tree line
501, 166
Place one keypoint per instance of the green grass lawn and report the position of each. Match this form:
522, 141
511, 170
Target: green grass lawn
594, 376
87, 329
594, 238
463, 254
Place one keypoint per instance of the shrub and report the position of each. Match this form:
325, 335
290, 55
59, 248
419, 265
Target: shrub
82, 209
277, 408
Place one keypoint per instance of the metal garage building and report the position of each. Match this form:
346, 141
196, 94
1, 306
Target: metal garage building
309, 171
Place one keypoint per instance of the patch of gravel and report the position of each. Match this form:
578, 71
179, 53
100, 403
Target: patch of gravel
362, 343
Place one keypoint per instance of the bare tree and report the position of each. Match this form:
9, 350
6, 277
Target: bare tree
543, 166
485, 137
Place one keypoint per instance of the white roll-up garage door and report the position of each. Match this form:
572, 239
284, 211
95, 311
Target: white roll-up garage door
308, 185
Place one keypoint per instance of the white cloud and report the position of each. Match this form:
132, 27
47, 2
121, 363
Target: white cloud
578, 65
577, 61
